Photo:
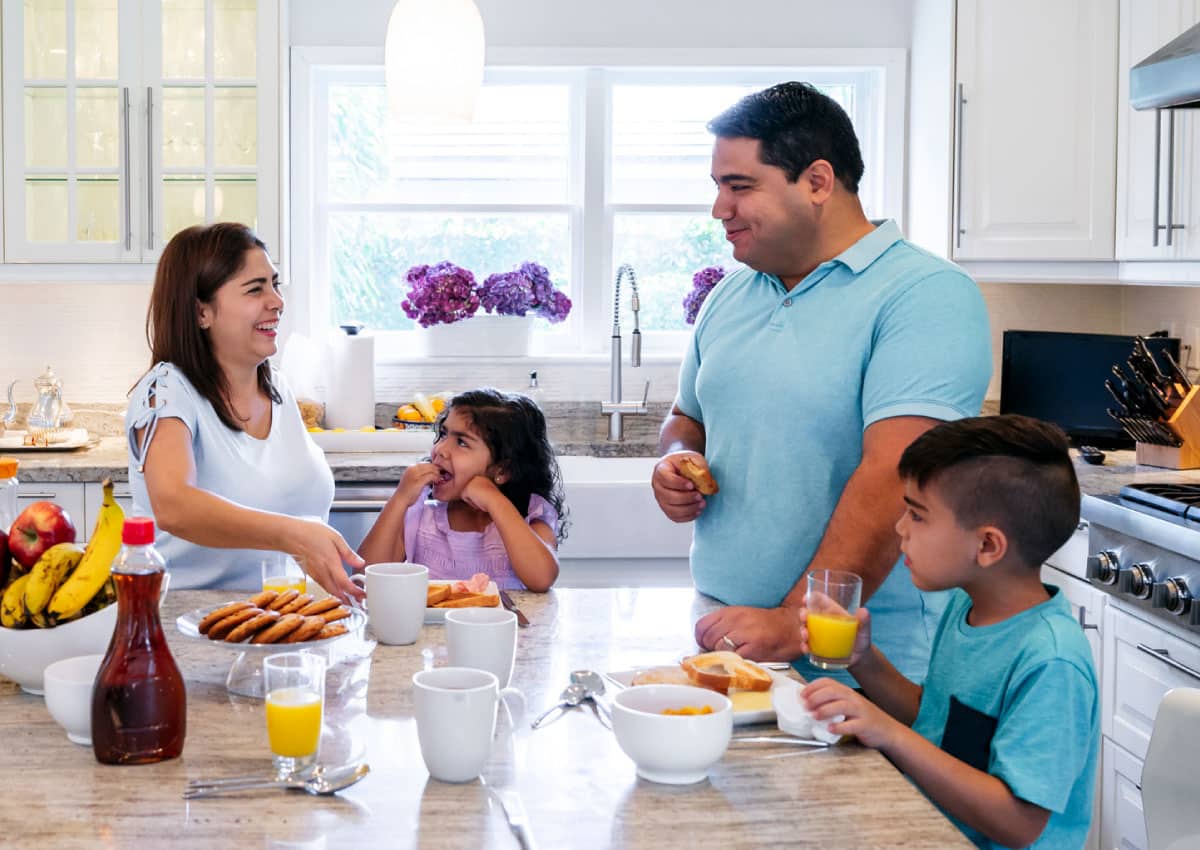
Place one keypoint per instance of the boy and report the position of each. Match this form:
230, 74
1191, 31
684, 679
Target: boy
1003, 736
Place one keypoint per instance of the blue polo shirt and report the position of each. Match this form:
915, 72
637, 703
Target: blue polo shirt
785, 383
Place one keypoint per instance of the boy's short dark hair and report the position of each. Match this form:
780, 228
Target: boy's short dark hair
796, 125
1013, 472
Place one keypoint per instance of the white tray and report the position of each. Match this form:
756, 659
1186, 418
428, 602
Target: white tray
412, 440
65, 440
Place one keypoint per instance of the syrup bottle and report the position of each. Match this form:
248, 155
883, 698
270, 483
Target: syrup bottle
139, 704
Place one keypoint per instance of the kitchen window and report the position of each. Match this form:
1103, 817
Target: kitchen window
580, 167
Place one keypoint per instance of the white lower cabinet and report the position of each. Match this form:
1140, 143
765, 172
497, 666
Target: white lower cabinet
67, 495
1123, 827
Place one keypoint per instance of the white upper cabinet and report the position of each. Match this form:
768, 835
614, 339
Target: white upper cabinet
127, 120
1034, 130
1158, 152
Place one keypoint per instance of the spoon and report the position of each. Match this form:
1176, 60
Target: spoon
571, 696
593, 685
319, 782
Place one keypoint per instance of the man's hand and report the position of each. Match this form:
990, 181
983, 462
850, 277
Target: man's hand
826, 698
760, 634
676, 495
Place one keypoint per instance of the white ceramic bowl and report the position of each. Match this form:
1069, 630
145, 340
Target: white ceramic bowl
676, 750
68, 685
26, 653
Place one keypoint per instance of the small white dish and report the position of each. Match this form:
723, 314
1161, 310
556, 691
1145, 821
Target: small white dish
672, 749
438, 615
68, 690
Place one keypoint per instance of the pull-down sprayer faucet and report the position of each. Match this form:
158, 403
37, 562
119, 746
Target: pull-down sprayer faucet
614, 408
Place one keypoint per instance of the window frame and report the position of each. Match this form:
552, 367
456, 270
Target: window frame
590, 74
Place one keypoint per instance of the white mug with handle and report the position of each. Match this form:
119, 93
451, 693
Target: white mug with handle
396, 594
455, 709
482, 638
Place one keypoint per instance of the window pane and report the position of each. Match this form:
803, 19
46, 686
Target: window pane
662, 153
45, 40
182, 39
46, 209
370, 253
666, 250
96, 48
515, 151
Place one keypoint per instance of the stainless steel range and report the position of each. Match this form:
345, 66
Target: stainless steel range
1144, 548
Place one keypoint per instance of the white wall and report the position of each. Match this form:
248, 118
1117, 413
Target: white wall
632, 23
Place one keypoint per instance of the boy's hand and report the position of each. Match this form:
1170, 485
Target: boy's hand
415, 479
826, 698
862, 638
481, 492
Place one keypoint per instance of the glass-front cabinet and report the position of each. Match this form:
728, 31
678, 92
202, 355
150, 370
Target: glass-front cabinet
126, 121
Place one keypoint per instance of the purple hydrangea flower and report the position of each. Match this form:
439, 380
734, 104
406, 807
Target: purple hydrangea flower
703, 282
440, 294
524, 290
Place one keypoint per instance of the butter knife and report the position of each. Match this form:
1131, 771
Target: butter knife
514, 813
509, 605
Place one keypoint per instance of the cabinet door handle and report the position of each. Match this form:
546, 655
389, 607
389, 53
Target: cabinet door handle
1157, 170
356, 506
1165, 657
150, 167
1084, 525
1171, 225
959, 230
1083, 623
128, 170
37, 495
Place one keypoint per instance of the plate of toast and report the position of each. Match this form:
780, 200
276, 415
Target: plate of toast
268, 620
479, 591
748, 685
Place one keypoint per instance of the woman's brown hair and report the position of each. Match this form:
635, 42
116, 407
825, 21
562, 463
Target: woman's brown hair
195, 264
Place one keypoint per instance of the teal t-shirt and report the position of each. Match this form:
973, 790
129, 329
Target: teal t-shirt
1018, 699
785, 383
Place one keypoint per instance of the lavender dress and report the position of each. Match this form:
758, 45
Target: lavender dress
450, 554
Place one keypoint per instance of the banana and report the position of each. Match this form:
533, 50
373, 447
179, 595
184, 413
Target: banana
12, 604
93, 571
48, 574
424, 407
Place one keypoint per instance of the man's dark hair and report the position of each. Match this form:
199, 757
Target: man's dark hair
1012, 472
796, 125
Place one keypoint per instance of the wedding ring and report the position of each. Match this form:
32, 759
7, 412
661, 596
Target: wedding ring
727, 643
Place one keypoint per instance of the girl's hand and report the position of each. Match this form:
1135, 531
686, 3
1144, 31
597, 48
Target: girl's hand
415, 479
826, 698
321, 552
481, 492
862, 639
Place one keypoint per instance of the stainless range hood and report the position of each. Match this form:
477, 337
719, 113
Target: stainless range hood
1169, 77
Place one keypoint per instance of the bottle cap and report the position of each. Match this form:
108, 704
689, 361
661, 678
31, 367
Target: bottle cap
138, 531
8, 467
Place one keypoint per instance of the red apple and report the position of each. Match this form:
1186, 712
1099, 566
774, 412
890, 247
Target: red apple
36, 529
4, 558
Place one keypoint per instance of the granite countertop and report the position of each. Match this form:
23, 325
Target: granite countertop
578, 788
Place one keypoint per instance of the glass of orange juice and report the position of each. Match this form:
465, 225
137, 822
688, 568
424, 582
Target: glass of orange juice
295, 688
280, 572
832, 600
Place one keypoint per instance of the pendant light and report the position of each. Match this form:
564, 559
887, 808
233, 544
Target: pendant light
433, 60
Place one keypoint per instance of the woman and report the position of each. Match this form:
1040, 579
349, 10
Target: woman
218, 453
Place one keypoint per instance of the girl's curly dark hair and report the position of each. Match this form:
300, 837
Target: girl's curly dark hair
514, 430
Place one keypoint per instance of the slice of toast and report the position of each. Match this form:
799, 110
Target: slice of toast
470, 600
436, 593
721, 671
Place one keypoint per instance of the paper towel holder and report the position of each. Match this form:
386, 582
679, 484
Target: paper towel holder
352, 328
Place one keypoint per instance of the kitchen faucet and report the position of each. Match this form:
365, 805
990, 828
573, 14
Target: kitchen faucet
614, 408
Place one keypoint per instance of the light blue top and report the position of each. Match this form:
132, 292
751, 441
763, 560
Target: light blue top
285, 473
785, 383
1030, 679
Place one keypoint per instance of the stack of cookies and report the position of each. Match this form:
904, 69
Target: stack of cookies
271, 617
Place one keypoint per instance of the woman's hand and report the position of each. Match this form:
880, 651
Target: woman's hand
321, 552
415, 479
481, 492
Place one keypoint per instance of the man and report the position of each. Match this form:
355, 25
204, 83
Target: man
808, 374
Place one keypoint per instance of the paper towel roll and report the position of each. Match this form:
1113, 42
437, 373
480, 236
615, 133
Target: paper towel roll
351, 402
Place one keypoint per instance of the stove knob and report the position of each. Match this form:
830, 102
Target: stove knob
1173, 595
1104, 567
1137, 580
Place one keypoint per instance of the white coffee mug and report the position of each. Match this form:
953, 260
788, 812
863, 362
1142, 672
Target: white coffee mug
455, 709
482, 638
396, 594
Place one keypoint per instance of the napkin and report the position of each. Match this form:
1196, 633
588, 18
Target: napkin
794, 719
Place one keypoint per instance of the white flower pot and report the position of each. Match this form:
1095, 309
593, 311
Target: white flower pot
482, 335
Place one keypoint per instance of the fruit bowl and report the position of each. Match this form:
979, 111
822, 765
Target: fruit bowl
26, 653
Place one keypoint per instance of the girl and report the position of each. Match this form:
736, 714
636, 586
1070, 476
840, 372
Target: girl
489, 499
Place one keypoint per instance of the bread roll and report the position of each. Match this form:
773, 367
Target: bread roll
698, 475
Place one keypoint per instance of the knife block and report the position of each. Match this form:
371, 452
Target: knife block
1185, 424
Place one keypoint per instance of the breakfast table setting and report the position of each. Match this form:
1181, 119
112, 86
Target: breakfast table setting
566, 783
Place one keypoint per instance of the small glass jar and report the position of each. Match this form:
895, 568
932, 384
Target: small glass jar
8, 492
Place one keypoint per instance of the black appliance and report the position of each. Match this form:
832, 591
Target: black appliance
1059, 377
